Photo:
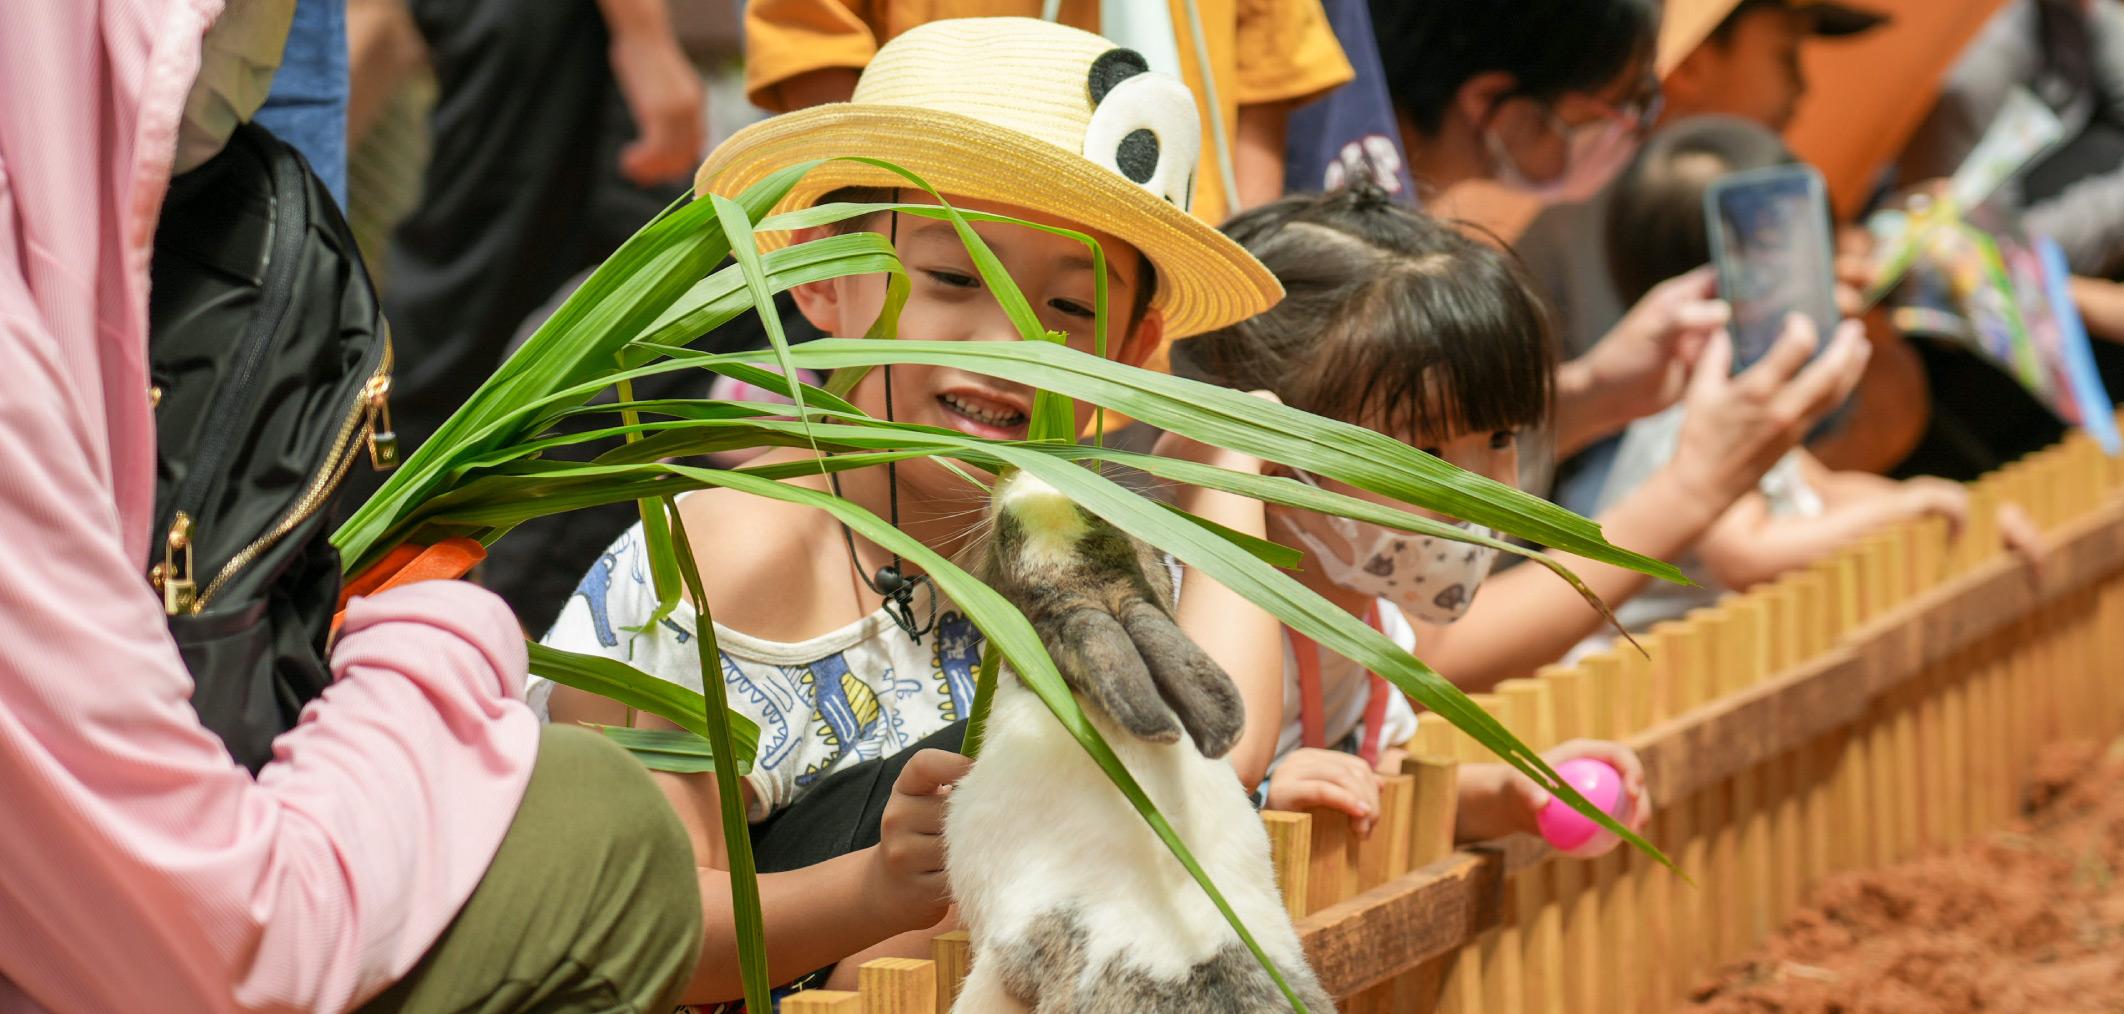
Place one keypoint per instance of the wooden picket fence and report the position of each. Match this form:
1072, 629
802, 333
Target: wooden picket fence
1883, 702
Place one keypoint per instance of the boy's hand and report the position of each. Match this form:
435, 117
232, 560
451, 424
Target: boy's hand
1311, 779
906, 883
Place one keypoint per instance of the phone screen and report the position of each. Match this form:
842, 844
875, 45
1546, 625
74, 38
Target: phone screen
1770, 234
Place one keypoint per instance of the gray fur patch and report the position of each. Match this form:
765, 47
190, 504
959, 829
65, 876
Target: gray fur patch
1046, 972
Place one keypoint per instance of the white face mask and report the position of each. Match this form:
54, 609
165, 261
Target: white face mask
1594, 153
1431, 579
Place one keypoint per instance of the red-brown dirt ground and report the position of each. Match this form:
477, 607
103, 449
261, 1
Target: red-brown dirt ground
2030, 918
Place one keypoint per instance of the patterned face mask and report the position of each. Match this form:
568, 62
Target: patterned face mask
1431, 579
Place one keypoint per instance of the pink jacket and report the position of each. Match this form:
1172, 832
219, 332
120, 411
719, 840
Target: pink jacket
140, 868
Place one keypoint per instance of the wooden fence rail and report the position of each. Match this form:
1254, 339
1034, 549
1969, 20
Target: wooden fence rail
1887, 700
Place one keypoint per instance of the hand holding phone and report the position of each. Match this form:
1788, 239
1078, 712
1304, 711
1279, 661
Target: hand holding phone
1771, 238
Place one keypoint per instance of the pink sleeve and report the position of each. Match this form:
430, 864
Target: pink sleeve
142, 868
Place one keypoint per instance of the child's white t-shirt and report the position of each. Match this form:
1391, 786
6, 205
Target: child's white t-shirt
858, 693
1345, 691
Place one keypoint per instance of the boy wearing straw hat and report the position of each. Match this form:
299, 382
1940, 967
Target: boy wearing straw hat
841, 652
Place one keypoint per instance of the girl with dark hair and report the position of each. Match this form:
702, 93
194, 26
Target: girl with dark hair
1401, 324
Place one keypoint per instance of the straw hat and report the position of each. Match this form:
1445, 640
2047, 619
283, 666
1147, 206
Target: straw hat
1032, 115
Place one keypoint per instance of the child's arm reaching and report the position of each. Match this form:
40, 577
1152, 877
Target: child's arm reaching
820, 914
1749, 545
1495, 799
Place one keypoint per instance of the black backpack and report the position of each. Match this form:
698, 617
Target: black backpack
271, 367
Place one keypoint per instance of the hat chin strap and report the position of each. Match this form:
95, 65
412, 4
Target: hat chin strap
891, 582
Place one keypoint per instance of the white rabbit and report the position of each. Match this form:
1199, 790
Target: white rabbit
1073, 904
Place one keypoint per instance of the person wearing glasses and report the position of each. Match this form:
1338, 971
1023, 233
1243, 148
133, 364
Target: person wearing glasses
1552, 96
1540, 94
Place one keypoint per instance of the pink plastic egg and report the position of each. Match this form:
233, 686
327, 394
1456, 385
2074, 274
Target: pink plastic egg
1572, 833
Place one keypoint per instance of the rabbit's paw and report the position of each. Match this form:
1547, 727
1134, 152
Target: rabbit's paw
1097, 658
1188, 680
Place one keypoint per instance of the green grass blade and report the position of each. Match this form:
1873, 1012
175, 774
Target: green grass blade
984, 698
720, 297
1241, 422
619, 300
656, 535
1275, 554
681, 439
751, 925
737, 228
1268, 489
618, 681
1054, 417
1292, 493
680, 752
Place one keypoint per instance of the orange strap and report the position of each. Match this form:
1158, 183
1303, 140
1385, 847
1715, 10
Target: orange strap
1310, 720
406, 563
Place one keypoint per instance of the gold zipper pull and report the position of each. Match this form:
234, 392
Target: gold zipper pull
383, 442
178, 592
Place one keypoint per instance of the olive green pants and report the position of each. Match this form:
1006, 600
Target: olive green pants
591, 904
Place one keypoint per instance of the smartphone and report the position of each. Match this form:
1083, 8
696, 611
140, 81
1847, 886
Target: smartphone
1770, 236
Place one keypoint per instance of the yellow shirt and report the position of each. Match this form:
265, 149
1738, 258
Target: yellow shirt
1262, 51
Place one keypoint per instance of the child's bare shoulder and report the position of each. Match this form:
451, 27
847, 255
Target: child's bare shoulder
766, 564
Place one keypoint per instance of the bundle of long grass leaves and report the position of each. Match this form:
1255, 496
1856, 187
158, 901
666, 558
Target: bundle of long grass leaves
483, 473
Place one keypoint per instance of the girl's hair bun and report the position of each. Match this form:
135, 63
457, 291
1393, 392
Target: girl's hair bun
1365, 194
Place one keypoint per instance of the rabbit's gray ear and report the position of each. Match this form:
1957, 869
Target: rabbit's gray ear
1196, 687
1099, 661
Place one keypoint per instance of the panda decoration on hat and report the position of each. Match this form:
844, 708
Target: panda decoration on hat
1143, 126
